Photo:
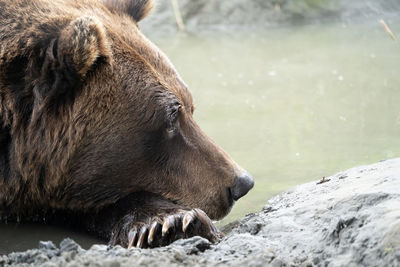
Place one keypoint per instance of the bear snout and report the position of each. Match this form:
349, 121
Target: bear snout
241, 185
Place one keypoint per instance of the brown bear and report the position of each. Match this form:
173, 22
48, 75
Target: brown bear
97, 129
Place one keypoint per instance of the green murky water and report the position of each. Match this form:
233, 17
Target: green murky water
294, 105
289, 105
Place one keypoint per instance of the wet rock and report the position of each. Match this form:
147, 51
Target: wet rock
47, 245
68, 245
351, 221
194, 245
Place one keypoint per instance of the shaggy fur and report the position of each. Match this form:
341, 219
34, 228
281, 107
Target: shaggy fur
95, 121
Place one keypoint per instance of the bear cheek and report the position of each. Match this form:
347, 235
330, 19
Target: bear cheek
209, 172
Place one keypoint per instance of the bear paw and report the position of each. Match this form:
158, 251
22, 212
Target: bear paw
165, 229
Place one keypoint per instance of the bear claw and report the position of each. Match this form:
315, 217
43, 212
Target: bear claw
142, 237
183, 224
168, 224
132, 236
154, 228
187, 219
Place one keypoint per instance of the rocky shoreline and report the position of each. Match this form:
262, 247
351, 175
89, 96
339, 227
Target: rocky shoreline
228, 15
349, 219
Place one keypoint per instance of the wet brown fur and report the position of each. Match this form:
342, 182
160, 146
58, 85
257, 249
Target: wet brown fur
85, 101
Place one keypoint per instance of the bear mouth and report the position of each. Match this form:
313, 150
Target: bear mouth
231, 201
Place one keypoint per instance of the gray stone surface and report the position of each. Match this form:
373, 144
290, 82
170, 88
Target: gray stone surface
351, 220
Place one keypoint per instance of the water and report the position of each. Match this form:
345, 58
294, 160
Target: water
290, 105
21, 237
294, 105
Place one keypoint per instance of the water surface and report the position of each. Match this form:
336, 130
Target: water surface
292, 105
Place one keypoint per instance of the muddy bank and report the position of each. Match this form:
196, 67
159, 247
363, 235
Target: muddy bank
351, 219
219, 15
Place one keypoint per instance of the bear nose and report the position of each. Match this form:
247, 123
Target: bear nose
242, 184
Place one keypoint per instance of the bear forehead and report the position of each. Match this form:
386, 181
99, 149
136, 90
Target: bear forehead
142, 49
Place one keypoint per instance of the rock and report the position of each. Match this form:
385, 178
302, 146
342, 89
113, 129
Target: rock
351, 220
69, 245
47, 245
193, 245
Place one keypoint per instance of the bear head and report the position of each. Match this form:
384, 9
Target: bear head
92, 111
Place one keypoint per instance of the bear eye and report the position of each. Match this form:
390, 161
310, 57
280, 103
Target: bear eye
171, 131
173, 121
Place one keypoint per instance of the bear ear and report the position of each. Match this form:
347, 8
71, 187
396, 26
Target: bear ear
82, 44
137, 9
